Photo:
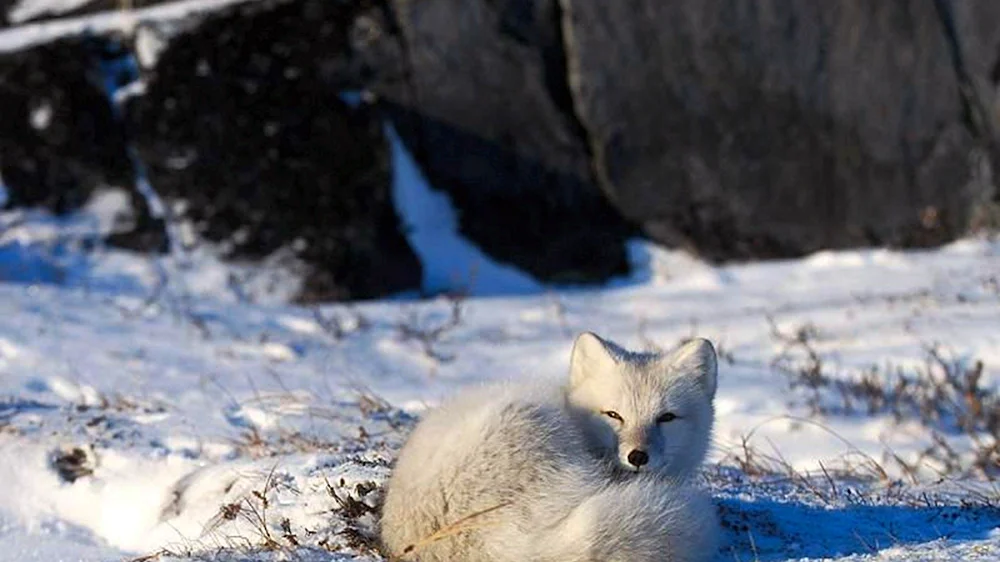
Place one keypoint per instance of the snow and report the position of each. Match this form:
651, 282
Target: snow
450, 262
28, 9
41, 116
123, 21
36, 247
150, 42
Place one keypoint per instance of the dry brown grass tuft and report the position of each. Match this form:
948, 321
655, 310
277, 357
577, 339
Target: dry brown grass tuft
945, 396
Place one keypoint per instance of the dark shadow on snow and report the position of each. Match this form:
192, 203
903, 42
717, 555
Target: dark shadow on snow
772, 531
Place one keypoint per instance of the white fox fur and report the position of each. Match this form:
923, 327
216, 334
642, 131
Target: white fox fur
641, 387
519, 473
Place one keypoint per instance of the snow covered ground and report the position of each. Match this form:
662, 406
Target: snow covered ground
186, 420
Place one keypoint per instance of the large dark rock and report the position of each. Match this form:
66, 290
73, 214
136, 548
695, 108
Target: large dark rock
242, 123
973, 35
60, 136
484, 106
757, 129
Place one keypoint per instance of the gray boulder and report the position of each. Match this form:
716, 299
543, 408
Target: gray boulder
758, 129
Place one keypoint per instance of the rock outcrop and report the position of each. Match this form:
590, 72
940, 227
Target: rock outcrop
765, 129
61, 139
558, 128
242, 121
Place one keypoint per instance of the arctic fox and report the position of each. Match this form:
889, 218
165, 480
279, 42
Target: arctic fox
533, 472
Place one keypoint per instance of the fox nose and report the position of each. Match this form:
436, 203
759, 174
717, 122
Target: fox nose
638, 458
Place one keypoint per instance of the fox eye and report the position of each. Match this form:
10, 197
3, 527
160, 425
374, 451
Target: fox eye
613, 415
666, 417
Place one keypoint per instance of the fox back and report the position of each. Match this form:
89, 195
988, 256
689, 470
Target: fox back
496, 461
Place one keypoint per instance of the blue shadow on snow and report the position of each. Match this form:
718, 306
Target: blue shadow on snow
771, 531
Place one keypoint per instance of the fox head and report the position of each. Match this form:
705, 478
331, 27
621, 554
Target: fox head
651, 411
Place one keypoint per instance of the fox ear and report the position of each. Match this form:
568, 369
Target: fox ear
697, 359
591, 355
